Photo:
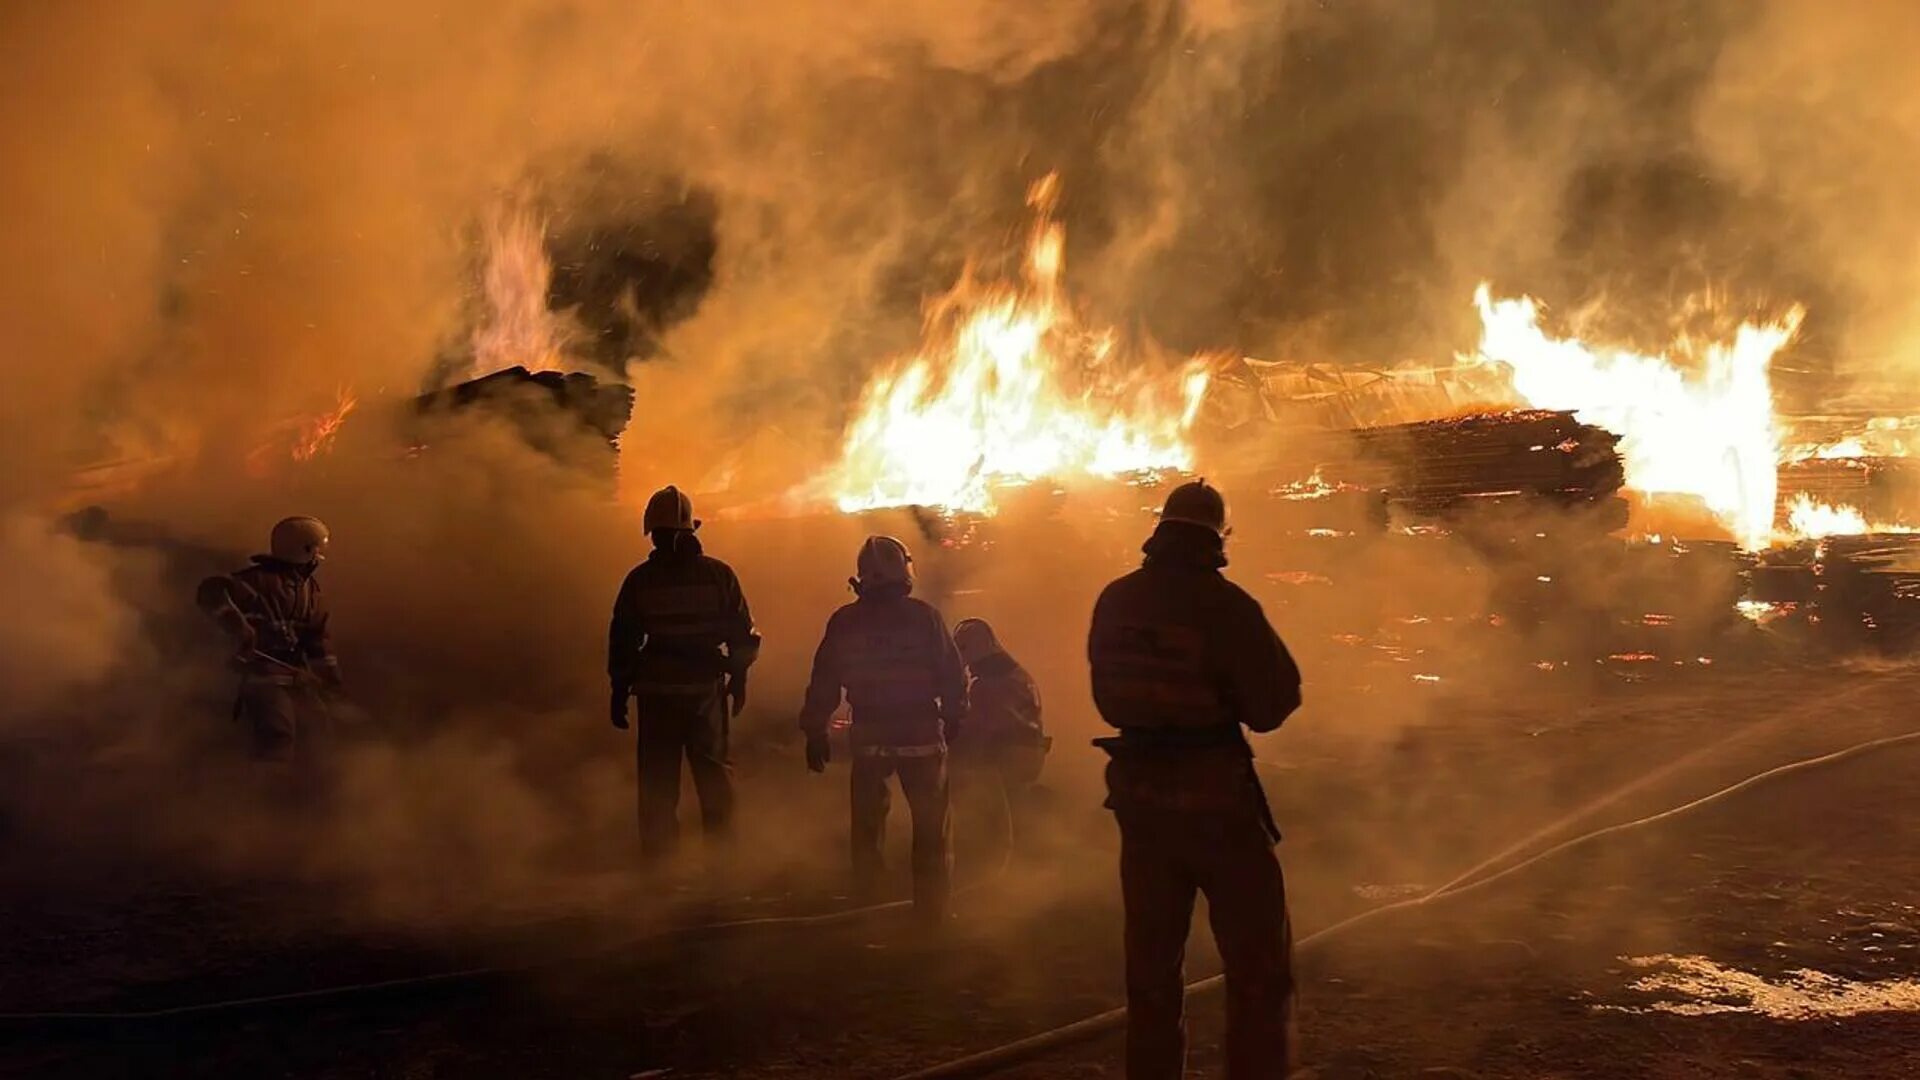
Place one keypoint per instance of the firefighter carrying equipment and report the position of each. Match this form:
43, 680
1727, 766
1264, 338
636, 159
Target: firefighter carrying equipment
274, 611
1004, 730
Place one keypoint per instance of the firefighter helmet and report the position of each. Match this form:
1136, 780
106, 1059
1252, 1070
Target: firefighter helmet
883, 561
1197, 503
300, 540
669, 509
975, 640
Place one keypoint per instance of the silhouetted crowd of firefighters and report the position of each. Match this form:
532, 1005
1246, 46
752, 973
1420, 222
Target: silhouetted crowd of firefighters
1184, 663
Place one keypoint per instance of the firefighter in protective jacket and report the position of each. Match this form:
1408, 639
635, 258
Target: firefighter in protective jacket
1183, 663
999, 760
906, 687
274, 612
679, 645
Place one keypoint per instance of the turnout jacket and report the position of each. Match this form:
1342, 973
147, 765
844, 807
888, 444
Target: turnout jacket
278, 605
903, 677
680, 623
1175, 647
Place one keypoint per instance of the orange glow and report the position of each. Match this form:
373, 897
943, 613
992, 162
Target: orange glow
518, 329
1810, 519
1708, 432
1007, 388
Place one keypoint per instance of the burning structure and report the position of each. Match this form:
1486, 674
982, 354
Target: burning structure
991, 278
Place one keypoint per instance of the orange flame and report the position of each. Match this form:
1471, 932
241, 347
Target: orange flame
518, 328
1009, 388
1808, 518
316, 435
1710, 433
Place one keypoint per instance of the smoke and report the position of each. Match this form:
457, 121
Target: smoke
67, 629
222, 216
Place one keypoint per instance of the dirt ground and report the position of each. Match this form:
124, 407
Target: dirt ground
1676, 950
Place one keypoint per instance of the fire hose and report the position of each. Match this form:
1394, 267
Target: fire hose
992, 1060
481, 974
989, 1061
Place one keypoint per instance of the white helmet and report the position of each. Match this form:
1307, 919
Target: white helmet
883, 561
301, 541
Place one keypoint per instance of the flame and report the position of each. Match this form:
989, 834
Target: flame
1845, 448
1008, 388
1709, 433
518, 328
1810, 519
316, 435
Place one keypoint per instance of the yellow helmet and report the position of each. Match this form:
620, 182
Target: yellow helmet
299, 540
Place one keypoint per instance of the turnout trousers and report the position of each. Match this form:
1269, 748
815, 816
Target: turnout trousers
286, 720
923, 780
676, 727
1166, 858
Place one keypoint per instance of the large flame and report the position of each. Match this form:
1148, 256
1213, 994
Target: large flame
1709, 432
1008, 388
517, 327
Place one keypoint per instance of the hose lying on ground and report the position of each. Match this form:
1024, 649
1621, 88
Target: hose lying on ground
1000, 1057
481, 974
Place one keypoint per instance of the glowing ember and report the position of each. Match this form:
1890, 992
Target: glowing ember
1009, 388
316, 435
1811, 519
1708, 433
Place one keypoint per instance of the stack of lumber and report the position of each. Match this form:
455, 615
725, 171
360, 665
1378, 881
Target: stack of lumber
1438, 467
1882, 488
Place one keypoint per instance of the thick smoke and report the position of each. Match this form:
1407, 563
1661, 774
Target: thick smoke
221, 216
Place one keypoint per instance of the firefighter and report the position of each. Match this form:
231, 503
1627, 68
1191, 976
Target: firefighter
997, 764
1183, 660
283, 649
906, 688
679, 646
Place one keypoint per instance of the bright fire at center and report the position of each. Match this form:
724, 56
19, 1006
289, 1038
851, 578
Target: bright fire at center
1008, 388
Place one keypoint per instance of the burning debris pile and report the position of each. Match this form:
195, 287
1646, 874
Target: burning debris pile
547, 408
1829, 496
1443, 467
1008, 387
1858, 591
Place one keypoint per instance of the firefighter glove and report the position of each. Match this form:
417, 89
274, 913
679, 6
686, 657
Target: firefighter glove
737, 692
819, 752
617, 707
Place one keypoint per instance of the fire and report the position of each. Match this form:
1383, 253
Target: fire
316, 435
1810, 519
1880, 436
518, 328
1007, 388
1708, 433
